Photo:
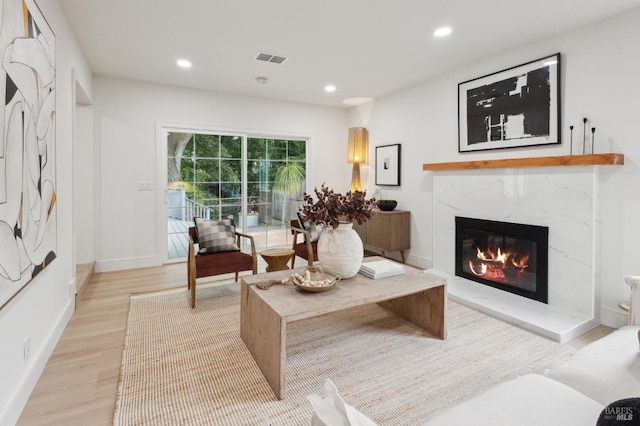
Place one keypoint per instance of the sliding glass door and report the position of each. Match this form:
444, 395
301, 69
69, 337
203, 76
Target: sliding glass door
257, 181
276, 180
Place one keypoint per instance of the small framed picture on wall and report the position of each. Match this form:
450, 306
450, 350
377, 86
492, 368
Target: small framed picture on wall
388, 165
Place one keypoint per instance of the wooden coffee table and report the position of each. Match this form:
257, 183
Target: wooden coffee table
277, 258
419, 297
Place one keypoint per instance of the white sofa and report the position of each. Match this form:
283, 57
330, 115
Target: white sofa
573, 392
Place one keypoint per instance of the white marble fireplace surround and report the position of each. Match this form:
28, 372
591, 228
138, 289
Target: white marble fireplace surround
566, 200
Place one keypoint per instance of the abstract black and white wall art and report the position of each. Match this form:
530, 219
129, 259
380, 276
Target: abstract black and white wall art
27, 146
517, 107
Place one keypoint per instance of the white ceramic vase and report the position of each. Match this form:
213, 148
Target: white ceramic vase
340, 251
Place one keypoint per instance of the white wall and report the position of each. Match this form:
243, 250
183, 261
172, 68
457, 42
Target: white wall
126, 115
84, 164
600, 68
41, 310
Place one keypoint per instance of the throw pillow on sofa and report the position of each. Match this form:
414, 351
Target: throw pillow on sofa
216, 236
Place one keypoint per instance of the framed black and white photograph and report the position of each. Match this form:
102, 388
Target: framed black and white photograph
516, 107
388, 165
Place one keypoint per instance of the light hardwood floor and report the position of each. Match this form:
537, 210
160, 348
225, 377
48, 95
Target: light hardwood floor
79, 383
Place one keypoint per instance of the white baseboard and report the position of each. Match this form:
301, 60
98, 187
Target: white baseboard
613, 318
122, 264
36, 367
420, 262
411, 259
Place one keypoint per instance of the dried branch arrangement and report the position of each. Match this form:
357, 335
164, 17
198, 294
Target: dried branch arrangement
332, 208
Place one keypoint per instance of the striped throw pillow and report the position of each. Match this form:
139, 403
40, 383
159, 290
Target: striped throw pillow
216, 236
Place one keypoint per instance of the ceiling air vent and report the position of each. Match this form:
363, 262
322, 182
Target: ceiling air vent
268, 57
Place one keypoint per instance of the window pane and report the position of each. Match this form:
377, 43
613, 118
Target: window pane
230, 171
231, 210
231, 147
302, 170
207, 146
207, 170
186, 170
256, 149
206, 193
297, 150
179, 143
173, 171
256, 171
210, 202
253, 189
273, 168
188, 149
230, 191
277, 150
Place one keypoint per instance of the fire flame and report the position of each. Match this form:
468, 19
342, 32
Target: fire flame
491, 265
483, 269
501, 257
522, 263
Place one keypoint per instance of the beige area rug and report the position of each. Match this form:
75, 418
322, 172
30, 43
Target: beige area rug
189, 366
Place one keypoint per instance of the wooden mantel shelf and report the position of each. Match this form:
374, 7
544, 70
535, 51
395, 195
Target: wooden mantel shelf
510, 163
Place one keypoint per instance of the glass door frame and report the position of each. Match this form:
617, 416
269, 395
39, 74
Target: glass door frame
162, 132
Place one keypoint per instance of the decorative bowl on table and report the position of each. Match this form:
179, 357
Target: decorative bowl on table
387, 205
323, 282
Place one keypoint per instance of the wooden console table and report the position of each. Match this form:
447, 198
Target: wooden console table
387, 231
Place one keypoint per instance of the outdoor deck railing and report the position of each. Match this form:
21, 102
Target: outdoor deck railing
183, 208
193, 209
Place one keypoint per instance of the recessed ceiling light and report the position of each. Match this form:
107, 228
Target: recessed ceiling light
442, 32
330, 88
356, 101
183, 63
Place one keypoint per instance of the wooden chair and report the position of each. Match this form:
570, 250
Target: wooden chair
305, 249
224, 262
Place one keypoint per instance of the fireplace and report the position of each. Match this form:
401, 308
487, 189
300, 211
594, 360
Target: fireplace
509, 256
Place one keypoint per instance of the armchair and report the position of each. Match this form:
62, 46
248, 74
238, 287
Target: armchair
202, 264
306, 249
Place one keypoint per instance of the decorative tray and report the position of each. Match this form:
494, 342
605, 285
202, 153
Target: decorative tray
323, 282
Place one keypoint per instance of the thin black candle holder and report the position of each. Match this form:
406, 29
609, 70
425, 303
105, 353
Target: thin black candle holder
584, 135
571, 140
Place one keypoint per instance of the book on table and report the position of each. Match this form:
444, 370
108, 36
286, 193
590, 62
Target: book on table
381, 269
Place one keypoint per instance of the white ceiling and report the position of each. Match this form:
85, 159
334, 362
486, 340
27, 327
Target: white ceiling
367, 48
